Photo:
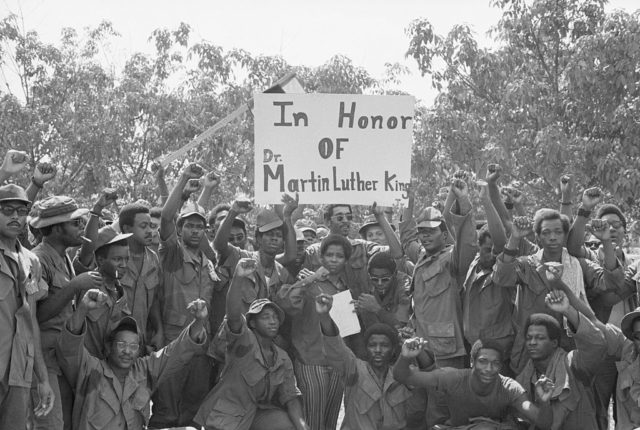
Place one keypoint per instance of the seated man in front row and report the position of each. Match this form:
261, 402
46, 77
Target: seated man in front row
114, 393
478, 398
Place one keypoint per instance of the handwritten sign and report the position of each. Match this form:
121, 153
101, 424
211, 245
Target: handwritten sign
333, 148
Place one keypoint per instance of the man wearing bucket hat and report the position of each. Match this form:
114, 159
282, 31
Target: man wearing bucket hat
252, 358
21, 286
111, 257
114, 392
59, 220
188, 274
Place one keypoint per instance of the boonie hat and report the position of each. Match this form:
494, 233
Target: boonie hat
369, 221
56, 210
626, 325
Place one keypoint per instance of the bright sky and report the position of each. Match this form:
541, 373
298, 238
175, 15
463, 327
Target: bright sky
309, 32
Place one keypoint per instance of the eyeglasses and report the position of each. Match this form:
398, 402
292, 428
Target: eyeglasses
342, 217
133, 347
615, 224
382, 280
236, 237
592, 245
10, 210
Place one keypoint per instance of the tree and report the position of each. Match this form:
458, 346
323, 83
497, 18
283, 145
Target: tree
558, 94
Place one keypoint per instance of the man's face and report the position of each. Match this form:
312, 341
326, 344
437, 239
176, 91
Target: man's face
334, 259
270, 242
266, 323
124, 350
115, 263
13, 218
309, 238
616, 229
379, 351
193, 231
380, 280
375, 234
552, 235
141, 229
340, 221
432, 238
155, 230
539, 344
636, 332
237, 237
486, 258
72, 232
486, 367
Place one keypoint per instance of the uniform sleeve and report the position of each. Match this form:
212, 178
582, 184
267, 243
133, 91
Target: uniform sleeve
238, 344
465, 247
514, 391
288, 390
341, 358
599, 280
409, 240
171, 253
508, 274
173, 357
591, 346
73, 358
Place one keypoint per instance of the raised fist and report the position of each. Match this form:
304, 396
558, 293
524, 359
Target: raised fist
591, 197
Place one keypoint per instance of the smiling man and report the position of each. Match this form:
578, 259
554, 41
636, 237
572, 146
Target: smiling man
479, 395
114, 393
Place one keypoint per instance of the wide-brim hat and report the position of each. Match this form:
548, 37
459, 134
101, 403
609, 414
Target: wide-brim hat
13, 192
259, 304
56, 210
626, 325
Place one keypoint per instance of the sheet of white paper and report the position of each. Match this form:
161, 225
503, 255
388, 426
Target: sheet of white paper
343, 314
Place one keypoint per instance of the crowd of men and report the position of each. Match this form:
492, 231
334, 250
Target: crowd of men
128, 315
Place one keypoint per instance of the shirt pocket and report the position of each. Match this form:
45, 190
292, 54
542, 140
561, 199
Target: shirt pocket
140, 402
434, 286
151, 280
442, 339
397, 395
225, 415
106, 408
363, 401
253, 375
175, 318
6, 286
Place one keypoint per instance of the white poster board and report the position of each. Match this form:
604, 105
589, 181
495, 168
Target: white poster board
333, 148
343, 313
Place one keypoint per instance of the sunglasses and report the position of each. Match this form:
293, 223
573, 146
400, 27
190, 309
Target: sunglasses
342, 217
592, 245
615, 224
10, 210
